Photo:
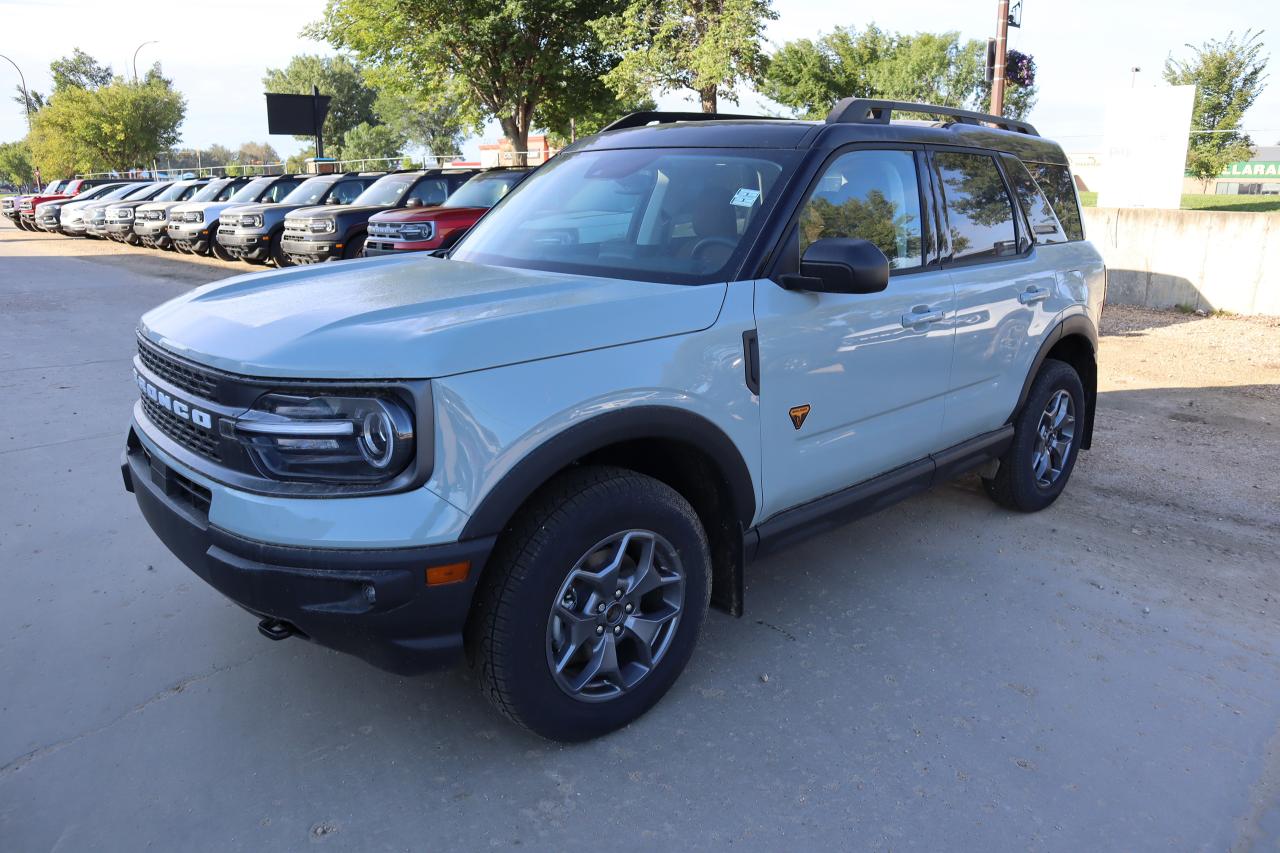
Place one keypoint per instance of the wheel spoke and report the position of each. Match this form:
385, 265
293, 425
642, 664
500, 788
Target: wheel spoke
579, 627
645, 628
603, 664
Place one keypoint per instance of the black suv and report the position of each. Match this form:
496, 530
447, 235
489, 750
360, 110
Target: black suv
317, 234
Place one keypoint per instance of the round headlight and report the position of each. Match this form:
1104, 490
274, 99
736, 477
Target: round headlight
377, 439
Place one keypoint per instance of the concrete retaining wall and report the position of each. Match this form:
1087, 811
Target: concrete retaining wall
1210, 260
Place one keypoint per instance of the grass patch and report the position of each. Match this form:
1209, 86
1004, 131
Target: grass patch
1239, 203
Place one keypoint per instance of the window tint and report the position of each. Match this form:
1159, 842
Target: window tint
1060, 189
1044, 223
871, 195
430, 191
662, 214
979, 213
347, 191
279, 190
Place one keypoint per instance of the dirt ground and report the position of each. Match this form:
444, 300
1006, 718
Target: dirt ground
943, 675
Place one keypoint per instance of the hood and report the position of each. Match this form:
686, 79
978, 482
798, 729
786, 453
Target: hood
158, 205
323, 211
416, 317
428, 214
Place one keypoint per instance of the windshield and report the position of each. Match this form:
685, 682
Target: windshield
673, 215
485, 190
55, 187
95, 192
308, 192
210, 191
123, 192
387, 191
145, 191
173, 192
251, 190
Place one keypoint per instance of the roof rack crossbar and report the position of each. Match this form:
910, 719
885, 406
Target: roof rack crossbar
876, 111
658, 117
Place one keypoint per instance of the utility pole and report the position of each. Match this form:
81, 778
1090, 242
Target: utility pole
135, 58
26, 98
1002, 51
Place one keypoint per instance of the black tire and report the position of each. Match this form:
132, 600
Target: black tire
354, 248
217, 249
1016, 485
278, 255
508, 632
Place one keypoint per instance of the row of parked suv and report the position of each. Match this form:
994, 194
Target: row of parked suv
284, 219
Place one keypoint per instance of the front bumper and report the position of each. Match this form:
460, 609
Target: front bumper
152, 233
246, 245
120, 230
311, 250
374, 246
192, 238
369, 602
47, 223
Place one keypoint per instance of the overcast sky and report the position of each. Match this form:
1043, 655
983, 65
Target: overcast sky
217, 56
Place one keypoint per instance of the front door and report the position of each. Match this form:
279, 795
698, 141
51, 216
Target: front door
872, 369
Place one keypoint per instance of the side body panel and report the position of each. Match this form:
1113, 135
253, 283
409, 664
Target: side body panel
488, 421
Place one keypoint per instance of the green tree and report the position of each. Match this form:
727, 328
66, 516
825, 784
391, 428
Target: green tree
79, 71
1229, 75
502, 59
564, 127
118, 126
422, 121
336, 76
810, 76
257, 152
371, 142
708, 46
15, 163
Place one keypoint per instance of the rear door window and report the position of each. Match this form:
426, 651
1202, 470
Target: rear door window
1059, 187
347, 191
979, 212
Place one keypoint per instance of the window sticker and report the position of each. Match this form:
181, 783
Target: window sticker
744, 197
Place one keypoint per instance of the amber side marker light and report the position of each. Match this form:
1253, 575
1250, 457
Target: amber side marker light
451, 573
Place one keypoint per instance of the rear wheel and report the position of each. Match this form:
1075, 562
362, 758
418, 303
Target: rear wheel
592, 603
1047, 432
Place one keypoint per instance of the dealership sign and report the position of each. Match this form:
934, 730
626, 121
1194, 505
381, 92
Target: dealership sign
1259, 169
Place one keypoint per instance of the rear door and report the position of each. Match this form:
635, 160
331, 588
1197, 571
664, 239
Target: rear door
869, 372
1006, 292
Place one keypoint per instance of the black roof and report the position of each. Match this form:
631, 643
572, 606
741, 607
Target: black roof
853, 120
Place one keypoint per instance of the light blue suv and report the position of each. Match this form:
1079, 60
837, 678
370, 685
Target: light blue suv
678, 343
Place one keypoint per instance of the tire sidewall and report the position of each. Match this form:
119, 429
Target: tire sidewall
540, 701
1056, 376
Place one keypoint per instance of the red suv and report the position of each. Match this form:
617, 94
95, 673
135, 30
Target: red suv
425, 229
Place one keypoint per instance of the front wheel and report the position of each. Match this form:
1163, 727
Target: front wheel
592, 603
354, 248
1046, 439
218, 250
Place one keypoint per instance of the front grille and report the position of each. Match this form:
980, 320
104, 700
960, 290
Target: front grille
384, 230
185, 433
189, 378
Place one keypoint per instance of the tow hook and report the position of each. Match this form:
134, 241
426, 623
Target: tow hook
276, 629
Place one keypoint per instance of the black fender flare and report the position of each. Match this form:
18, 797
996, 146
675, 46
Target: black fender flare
1077, 325
637, 423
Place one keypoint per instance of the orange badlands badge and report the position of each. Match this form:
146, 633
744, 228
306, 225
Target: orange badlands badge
798, 414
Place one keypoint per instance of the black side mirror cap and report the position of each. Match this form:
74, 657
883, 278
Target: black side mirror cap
840, 265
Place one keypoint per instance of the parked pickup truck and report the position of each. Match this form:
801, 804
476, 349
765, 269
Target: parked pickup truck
678, 344
252, 234
151, 220
316, 234
417, 229
69, 190
193, 225
24, 202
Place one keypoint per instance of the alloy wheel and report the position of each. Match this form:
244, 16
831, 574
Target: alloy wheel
1054, 436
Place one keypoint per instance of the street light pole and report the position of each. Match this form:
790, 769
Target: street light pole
135, 58
1002, 51
26, 98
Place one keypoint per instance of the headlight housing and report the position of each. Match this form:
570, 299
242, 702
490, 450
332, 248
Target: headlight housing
322, 226
416, 231
328, 438
123, 213
253, 220
195, 216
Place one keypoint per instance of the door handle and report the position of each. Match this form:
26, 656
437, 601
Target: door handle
921, 315
1033, 294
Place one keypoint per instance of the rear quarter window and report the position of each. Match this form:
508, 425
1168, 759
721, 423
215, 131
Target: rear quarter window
1058, 186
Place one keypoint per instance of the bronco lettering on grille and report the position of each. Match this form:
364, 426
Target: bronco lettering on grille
182, 410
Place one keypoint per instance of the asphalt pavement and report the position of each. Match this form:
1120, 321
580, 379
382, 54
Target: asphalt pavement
942, 676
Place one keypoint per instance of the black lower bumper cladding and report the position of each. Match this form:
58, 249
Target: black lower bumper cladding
371, 603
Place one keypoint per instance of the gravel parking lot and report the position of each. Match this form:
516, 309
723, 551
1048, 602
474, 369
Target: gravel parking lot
945, 675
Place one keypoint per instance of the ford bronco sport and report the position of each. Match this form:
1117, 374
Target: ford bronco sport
193, 225
430, 229
679, 343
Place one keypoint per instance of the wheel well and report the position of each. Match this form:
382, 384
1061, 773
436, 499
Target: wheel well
1077, 351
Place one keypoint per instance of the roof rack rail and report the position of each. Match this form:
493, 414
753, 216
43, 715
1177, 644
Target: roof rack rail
658, 117
876, 111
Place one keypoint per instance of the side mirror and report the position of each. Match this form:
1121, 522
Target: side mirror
840, 265
413, 202
333, 199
